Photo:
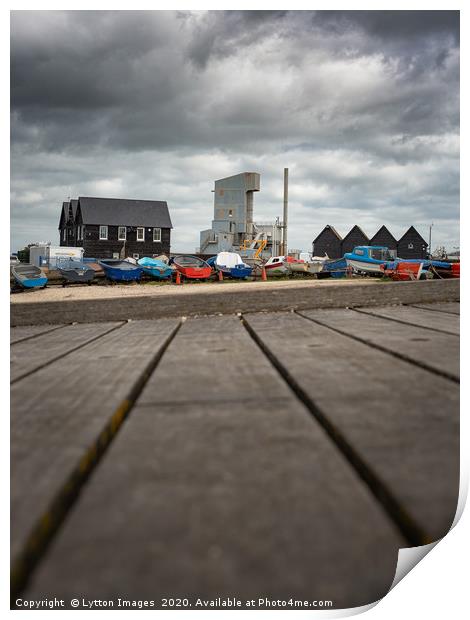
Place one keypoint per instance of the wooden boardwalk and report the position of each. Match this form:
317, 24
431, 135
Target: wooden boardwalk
278, 454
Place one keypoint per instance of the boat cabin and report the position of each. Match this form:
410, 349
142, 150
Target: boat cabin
374, 252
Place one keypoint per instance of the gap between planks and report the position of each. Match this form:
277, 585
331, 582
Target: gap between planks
405, 523
374, 312
40, 333
65, 353
48, 524
401, 356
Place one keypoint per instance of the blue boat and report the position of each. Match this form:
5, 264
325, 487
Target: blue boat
334, 268
369, 258
231, 265
29, 276
155, 268
120, 270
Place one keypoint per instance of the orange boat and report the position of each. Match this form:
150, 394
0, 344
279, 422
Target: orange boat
192, 267
406, 271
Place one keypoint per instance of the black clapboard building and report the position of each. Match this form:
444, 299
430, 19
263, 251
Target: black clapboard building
114, 227
356, 236
384, 238
412, 245
327, 242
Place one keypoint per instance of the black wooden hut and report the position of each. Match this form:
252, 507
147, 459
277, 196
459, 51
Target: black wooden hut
356, 236
412, 245
385, 238
327, 242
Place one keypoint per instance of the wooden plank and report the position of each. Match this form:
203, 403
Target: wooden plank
432, 350
23, 333
228, 299
62, 408
401, 420
222, 484
28, 356
450, 307
438, 321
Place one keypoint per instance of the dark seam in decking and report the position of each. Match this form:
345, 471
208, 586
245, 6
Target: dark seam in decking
405, 523
213, 401
402, 322
379, 347
48, 524
48, 331
434, 309
62, 355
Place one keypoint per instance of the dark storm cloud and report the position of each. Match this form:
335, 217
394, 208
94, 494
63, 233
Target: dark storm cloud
363, 105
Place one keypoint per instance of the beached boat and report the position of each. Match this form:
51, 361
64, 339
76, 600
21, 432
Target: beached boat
231, 265
192, 267
156, 268
333, 268
295, 265
402, 271
369, 259
275, 266
76, 271
28, 276
316, 263
443, 269
120, 270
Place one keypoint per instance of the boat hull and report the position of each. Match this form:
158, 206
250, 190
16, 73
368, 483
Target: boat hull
238, 273
77, 274
36, 283
127, 273
315, 266
155, 268
366, 267
276, 270
28, 276
159, 274
296, 267
195, 273
333, 268
192, 267
402, 271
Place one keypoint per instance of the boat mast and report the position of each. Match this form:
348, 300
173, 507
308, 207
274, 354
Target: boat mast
284, 223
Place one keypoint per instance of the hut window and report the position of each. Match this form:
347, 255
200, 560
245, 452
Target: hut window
410, 246
121, 233
103, 233
64, 235
140, 234
157, 235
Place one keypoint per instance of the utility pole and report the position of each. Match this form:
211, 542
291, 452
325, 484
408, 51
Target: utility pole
430, 232
284, 223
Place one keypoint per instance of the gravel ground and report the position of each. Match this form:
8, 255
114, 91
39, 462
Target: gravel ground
103, 291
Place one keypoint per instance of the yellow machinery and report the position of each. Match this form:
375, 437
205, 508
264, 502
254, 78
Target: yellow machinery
261, 243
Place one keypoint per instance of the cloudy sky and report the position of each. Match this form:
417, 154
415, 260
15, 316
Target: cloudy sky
362, 107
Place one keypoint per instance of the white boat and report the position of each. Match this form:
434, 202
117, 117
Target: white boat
315, 266
369, 259
294, 265
275, 266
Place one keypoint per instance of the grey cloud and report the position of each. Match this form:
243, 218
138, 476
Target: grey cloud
363, 106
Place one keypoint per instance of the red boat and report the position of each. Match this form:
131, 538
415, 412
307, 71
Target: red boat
453, 272
406, 271
192, 267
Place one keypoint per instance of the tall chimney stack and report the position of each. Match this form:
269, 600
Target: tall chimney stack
284, 228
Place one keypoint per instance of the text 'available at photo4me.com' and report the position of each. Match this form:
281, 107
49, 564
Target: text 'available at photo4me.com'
173, 603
